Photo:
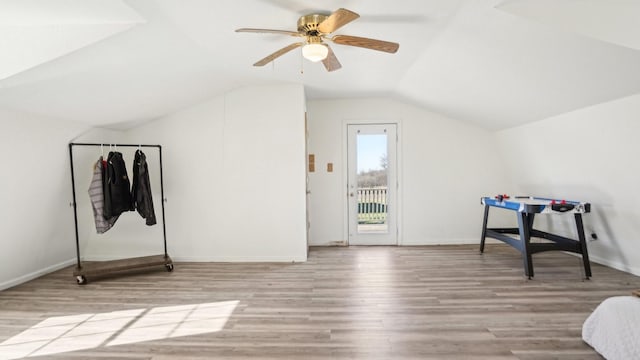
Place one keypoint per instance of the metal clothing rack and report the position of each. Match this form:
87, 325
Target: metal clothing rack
91, 269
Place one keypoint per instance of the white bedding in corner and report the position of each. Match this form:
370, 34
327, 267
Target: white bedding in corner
613, 329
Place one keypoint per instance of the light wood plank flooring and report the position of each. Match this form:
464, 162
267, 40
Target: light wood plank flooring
438, 302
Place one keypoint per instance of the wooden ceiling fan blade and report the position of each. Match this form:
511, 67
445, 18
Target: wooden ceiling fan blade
367, 43
269, 31
338, 19
331, 62
277, 54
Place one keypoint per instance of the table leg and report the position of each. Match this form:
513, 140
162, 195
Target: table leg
524, 226
583, 245
484, 227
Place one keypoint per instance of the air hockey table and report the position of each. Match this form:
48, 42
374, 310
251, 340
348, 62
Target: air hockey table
526, 208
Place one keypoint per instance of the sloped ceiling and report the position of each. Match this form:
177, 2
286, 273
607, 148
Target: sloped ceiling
500, 70
35, 32
610, 21
494, 63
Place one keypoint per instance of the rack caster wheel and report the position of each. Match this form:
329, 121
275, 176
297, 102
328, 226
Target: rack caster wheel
81, 280
169, 267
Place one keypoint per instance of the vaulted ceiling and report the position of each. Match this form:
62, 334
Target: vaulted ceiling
494, 63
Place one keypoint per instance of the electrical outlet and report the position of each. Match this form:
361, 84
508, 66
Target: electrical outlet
594, 233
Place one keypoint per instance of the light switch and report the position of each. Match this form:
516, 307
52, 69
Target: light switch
312, 163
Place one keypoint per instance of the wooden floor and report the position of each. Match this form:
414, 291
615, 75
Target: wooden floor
440, 302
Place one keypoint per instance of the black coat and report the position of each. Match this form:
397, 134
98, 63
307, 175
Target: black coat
117, 197
141, 189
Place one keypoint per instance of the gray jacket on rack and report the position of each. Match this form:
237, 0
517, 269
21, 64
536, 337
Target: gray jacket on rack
96, 194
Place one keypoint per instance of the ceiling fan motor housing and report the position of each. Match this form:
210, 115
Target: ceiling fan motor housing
308, 24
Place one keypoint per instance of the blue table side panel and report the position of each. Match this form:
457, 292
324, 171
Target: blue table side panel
503, 204
514, 205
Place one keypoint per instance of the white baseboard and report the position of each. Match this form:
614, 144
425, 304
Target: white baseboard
615, 265
329, 243
113, 257
238, 259
36, 274
226, 259
458, 241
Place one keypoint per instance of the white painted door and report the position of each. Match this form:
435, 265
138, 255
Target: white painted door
372, 184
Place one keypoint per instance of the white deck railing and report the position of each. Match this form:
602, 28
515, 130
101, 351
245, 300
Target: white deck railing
372, 205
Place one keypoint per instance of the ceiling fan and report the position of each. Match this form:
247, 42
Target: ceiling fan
315, 29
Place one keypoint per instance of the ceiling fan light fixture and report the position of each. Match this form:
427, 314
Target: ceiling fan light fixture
315, 52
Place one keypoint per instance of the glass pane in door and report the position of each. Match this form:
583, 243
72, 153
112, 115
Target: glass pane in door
372, 179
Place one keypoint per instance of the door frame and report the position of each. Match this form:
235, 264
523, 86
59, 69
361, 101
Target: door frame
307, 181
345, 172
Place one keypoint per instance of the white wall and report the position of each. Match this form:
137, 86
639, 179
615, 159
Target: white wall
445, 167
234, 172
593, 155
234, 177
36, 220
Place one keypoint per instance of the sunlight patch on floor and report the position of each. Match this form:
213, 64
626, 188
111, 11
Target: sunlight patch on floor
63, 334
